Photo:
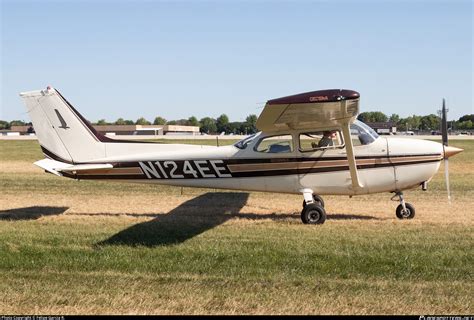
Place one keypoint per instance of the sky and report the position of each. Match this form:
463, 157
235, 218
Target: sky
178, 59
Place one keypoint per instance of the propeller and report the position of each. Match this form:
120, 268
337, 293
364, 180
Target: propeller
444, 133
447, 150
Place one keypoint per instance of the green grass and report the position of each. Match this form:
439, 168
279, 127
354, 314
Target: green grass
275, 252
20, 150
252, 266
227, 252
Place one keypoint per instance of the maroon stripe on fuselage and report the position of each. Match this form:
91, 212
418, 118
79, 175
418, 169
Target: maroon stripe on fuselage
54, 156
256, 173
233, 161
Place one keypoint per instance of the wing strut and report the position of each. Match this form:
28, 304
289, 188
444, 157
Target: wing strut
346, 132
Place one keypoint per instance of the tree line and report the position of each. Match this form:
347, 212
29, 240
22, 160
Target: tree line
206, 125
221, 124
429, 122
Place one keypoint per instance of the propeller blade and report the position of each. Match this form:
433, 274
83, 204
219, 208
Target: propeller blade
444, 124
446, 176
444, 133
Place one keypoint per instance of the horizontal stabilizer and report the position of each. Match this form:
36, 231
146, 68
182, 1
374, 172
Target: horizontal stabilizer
52, 166
92, 166
56, 167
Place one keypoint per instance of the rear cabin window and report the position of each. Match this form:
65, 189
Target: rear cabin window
276, 144
320, 140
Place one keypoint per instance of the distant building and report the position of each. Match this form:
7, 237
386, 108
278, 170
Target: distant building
26, 129
18, 130
136, 129
8, 133
383, 127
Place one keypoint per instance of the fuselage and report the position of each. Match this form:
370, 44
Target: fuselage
384, 165
310, 143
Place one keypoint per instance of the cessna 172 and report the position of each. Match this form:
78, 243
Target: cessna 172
309, 144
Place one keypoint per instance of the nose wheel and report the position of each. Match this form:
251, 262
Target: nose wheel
404, 210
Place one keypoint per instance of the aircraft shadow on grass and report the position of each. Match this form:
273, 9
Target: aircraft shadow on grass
30, 213
196, 216
345, 216
182, 223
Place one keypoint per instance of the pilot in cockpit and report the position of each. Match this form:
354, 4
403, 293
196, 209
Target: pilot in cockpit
327, 139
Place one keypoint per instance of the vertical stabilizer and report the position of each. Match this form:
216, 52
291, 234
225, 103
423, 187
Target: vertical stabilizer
62, 132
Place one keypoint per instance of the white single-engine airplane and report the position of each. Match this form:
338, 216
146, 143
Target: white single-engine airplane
309, 144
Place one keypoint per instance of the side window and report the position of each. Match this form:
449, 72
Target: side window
320, 140
276, 144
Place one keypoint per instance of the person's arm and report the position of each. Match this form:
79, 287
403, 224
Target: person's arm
323, 142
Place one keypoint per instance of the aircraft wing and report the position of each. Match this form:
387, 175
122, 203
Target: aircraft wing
310, 110
315, 110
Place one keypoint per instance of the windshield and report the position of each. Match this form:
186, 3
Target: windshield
242, 144
363, 133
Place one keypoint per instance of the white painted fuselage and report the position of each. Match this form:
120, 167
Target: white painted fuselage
385, 165
74, 149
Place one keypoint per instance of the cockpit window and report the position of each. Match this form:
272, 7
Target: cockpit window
276, 144
242, 144
362, 134
320, 140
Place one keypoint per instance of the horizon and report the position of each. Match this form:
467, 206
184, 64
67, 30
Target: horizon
112, 121
204, 59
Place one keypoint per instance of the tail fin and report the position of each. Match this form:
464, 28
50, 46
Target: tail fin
62, 132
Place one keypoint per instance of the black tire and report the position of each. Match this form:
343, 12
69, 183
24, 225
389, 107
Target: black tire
313, 214
317, 200
409, 214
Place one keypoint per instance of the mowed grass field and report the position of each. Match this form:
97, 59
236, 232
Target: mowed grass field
85, 247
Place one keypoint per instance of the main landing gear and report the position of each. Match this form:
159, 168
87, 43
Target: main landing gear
313, 208
404, 210
317, 199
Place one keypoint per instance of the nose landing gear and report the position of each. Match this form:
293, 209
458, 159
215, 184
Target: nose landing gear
404, 210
